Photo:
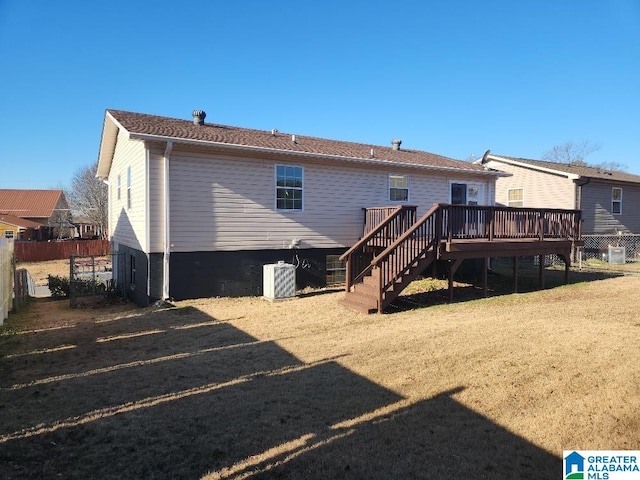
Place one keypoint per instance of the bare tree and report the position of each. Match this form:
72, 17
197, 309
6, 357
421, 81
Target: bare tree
575, 153
571, 152
88, 197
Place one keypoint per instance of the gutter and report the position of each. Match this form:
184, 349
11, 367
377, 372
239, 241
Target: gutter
235, 147
167, 227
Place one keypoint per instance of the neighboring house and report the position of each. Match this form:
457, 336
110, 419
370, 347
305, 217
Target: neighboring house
609, 200
84, 228
48, 208
18, 228
196, 209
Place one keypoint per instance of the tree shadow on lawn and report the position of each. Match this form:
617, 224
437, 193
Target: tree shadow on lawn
200, 395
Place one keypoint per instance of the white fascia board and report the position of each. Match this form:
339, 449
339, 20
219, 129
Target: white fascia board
571, 176
249, 148
108, 141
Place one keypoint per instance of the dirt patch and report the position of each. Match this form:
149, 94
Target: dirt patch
41, 270
245, 388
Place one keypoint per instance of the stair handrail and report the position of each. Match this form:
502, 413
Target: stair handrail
362, 243
384, 255
372, 233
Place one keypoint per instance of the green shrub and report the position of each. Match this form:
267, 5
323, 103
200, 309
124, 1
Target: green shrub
58, 286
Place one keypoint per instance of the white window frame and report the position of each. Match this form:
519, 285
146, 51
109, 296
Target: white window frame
394, 186
9, 234
510, 202
615, 200
118, 185
294, 188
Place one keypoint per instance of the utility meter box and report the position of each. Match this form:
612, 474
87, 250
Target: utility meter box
279, 281
617, 255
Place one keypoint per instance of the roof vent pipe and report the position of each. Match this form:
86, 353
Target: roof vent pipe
198, 117
396, 144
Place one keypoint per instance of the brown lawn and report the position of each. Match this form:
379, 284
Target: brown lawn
243, 388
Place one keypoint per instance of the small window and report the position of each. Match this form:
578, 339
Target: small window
616, 201
128, 187
515, 197
398, 188
289, 187
9, 234
119, 182
336, 270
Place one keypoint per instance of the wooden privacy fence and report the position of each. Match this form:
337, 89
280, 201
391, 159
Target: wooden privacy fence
41, 251
6, 278
24, 288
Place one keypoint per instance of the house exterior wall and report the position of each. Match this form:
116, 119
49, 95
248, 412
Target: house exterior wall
156, 197
226, 203
127, 224
597, 208
5, 227
540, 189
224, 222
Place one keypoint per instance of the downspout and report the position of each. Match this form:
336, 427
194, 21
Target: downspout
167, 228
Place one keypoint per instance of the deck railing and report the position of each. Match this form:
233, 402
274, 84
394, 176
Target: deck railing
374, 216
383, 225
404, 240
414, 244
490, 222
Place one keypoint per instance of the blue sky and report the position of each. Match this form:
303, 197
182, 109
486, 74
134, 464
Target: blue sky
454, 78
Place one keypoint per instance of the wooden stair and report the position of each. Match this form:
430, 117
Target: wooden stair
365, 297
396, 248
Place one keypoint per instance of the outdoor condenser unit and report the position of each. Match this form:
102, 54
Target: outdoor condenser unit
279, 281
617, 255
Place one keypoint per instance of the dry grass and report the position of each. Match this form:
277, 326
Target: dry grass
41, 270
243, 388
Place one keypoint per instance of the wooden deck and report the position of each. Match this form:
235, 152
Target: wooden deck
396, 247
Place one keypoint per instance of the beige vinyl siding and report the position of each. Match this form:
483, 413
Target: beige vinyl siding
127, 225
156, 200
228, 203
540, 189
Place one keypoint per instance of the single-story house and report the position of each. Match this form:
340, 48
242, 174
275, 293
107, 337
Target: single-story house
18, 228
85, 228
609, 199
196, 209
48, 208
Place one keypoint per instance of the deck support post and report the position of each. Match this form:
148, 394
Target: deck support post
566, 258
541, 270
453, 266
485, 269
516, 261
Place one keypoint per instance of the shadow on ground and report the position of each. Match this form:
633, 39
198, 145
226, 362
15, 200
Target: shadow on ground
178, 394
499, 282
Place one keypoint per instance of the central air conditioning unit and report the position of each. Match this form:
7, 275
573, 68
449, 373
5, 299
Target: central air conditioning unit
279, 281
617, 255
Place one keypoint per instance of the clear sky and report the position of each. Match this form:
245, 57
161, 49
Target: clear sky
450, 77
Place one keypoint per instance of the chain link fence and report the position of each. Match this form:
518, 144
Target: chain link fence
603, 247
91, 279
609, 249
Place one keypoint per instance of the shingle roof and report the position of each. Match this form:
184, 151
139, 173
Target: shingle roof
171, 128
29, 203
582, 171
17, 221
